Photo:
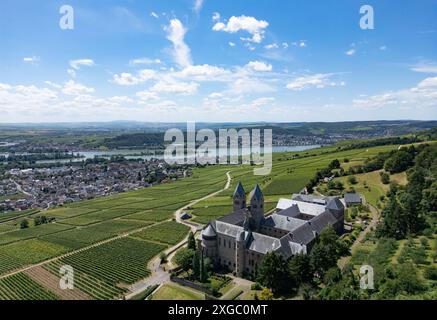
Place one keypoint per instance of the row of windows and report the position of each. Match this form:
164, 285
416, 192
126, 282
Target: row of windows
229, 243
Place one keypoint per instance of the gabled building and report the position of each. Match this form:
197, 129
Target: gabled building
239, 240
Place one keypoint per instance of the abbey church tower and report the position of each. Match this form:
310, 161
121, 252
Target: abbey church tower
239, 197
256, 199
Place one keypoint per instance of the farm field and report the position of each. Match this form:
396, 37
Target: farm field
106, 270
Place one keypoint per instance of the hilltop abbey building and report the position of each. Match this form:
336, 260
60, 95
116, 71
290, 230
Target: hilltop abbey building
240, 240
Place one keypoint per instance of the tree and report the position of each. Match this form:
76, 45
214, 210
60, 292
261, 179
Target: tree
395, 222
191, 241
398, 162
163, 257
273, 273
385, 177
352, 180
24, 224
184, 258
326, 252
299, 268
202, 271
335, 164
196, 265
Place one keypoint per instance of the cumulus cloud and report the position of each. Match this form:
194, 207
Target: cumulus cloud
175, 87
256, 28
20, 98
73, 88
259, 66
319, 81
424, 94
127, 79
203, 72
76, 64
176, 34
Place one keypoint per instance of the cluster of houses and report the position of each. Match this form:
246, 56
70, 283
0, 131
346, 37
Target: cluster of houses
49, 187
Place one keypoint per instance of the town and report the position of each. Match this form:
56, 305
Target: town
44, 188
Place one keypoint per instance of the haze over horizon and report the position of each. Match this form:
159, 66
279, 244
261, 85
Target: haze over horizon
176, 61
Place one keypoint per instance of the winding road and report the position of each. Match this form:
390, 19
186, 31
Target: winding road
160, 276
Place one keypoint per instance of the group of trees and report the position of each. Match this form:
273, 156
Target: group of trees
191, 259
321, 174
407, 208
287, 276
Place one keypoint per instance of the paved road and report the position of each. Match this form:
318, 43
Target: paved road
160, 276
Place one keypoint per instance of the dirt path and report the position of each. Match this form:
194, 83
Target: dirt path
375, 219
160, 276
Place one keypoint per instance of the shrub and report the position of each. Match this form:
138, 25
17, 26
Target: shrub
431, 273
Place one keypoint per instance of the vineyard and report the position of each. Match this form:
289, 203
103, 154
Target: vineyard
105, 270
21, 287
169, 232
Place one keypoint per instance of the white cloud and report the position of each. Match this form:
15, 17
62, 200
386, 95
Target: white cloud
52, 84
146, 95
175, 87
121, 99
76, 64
181, 52
72, 73
249, 85
254, 27
318, 81
154, 14
272, 46
262, 102
127, 79
423, 95
259, 66
425, 67
198, 4
73, 88
232, 44
144, 61
32, 60
215, 17
202, 72
350, 52
22, 100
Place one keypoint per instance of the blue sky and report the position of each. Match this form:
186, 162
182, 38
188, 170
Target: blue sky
239, 60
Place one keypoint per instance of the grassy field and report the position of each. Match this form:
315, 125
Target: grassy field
370, 185
82, 224
176, 292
